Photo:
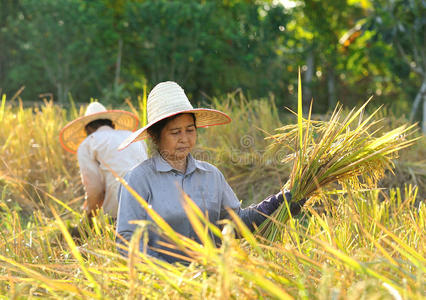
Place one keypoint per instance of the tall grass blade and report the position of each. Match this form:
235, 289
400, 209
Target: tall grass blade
2, 107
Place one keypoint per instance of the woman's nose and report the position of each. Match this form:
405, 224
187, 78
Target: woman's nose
183, 137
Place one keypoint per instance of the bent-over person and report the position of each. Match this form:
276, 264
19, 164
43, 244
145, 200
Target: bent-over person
95, 138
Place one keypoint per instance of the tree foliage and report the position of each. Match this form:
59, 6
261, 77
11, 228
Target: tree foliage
348, 50
402, 24
209, 47
63, 46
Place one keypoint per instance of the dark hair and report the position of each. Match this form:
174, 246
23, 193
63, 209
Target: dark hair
94, 125
154, 131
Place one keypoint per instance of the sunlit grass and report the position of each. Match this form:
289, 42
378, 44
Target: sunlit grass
239, 149
31, 158
344, 150
359, 246
355, 244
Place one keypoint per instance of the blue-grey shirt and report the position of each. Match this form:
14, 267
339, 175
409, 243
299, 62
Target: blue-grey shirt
161, 186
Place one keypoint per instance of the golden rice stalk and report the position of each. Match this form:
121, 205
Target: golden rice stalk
342, 150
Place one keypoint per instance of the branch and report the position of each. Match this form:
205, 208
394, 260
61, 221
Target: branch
407, 60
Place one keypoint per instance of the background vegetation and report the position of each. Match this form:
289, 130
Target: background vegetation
349, 244
106, 49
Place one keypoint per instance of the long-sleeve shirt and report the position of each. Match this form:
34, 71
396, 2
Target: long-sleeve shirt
98, 152
161, 186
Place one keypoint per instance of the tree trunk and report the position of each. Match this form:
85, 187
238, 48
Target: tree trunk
5, 10
421, 95
307, 87
331, 86
2, 62
118, 65
67, 91
424, 115
60, 89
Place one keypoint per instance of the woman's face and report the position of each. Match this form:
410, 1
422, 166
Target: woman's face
178, 137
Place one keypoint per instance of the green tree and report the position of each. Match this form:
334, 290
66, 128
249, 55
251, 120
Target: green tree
8, 8
210, 47
316, 31
63, 42
402, 24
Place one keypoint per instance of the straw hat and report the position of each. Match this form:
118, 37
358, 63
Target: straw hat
73, 134
168, 99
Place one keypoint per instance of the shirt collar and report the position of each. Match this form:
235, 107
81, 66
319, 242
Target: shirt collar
104, 128
194, 164
161, 165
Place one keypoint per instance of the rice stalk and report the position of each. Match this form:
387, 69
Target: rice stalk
335, 151
311, 262
2, 107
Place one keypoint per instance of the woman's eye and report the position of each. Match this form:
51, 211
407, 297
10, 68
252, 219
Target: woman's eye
175, 132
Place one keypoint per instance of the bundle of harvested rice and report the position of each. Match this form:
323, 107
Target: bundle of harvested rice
335, 151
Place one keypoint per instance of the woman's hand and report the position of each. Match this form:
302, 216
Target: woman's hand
270, 204
295, 207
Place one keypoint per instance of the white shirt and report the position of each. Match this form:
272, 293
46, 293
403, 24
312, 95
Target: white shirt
97, 154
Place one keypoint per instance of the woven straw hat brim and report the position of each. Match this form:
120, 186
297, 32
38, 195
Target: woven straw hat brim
73, 134
204, 117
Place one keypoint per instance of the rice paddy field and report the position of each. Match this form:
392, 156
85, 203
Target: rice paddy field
357, 239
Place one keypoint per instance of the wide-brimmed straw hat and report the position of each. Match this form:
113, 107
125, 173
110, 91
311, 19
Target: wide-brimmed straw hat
73, 134
167, 99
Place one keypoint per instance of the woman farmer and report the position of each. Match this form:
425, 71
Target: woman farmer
95, 137
160, 180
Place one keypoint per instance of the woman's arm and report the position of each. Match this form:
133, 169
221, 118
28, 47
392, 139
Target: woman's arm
255, 214
248, 215
92, 178
130, 209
